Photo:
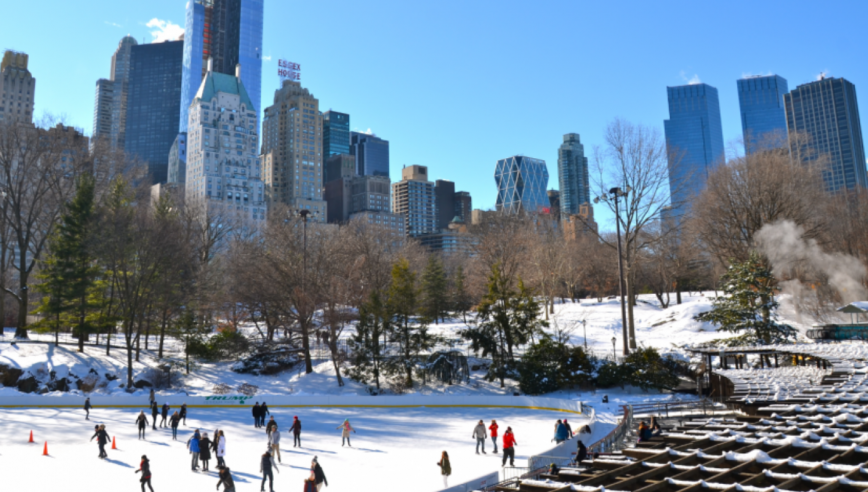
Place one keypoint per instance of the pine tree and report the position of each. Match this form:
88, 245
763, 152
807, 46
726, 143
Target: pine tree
192, 334
410, 334
748, 306
368, 343
434, 283
460, 297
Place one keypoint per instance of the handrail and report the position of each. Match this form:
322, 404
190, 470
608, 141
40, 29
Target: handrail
614, 439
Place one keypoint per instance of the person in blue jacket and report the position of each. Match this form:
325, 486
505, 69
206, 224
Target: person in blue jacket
560, 432
193, 445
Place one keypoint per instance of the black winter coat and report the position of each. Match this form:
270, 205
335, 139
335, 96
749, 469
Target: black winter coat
102, 437
263, 410
267, 463
174, 420
296, 427
226, 479
165, 410
87, 405
142, 421
204, 448
319, 475
183, 410
155, 410
145, 469
256, 411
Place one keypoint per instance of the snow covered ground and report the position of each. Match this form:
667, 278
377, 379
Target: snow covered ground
394, 449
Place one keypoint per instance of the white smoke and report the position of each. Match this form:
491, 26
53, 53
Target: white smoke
692, 80
783, 243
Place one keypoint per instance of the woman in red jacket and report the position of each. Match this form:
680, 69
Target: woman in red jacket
492, 431
509, 445
145, 470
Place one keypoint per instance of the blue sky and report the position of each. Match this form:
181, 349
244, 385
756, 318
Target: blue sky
456, 85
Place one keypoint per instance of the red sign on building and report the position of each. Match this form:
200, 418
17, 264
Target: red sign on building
288, 70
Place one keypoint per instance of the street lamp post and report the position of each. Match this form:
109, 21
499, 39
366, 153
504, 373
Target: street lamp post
614, 351
614, 194
585, 332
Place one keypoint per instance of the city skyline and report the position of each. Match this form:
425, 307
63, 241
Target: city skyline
445, 76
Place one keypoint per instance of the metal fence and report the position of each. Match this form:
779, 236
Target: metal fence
614, 440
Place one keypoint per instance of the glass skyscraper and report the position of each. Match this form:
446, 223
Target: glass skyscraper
372, 154
694, 141
827, 111
335, 133
761, 99
572, 174
521, 184
153, 104
230, 33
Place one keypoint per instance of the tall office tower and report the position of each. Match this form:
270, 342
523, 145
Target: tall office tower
17, 88
153, 104
413, 197
826, 110
370, 194
554, 202
463, 206
444, 200
335, 133
521, 184
572, 175
230, 33
694, 140
372, 154
223, 171
110, 105
339, 166
340, 169
763, 122
178, 160
292, 149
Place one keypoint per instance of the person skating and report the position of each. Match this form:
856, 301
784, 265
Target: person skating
193, 446
184, 413
87, 407
165, 415
345, 433
221, 449
155, 411
274, 442
145, 470
205, 451
445, 468
560, 432
263, 412
174, 421
318, 476
271, 425
225, 479
151, 397
265, 468
581, 452
492, 431
102, 438
256, 413
569, 429
509, 445
214, 441
142, 423
296, 432
480, 435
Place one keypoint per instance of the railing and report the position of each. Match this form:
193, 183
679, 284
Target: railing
614, 440
662, 409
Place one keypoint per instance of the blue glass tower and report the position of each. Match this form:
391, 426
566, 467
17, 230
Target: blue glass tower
229, 32
694, 141
761, 99
153, 104
372, 154
521, 184
827, 111
335, 133
572, 174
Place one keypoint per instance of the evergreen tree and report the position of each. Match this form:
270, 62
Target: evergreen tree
434, 284
368, 343
410, 334
192, 334
748, 306
460, 297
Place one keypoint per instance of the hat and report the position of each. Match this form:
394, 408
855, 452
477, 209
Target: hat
314, 460
295, 417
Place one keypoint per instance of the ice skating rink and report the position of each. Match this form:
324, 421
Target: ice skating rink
394, 449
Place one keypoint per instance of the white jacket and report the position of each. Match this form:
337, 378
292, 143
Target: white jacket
221, 447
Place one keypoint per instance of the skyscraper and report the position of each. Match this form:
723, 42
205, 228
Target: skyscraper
761, 99
413, 197
572, 174
292, 149
463, 206
223, 172
17, 88
694, 140
153, 104
521, 184
826, 110
372, 154
110, 104
444, 200
335, 133
230, 33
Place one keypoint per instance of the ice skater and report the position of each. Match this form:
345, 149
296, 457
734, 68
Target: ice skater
164, 414
184, 413
174, 423
569, 429
221, 450
225, 479
154, 412
560, 432
263, 412
87, 407
271, 425
205, 451
317, 476
480, 435
274, 442
256, 413
581, 452
142, 423
265, 468
492, 431
345, 432
102, 438
151, 397
193, 446
445, 468
296, 431
509, 445
145, 470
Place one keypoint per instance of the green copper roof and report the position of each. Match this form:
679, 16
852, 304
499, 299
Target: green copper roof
215, 82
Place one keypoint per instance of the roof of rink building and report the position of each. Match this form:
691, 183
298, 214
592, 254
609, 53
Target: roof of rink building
798, 422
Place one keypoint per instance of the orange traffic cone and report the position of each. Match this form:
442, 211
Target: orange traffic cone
45, 449
114, 444
31, 436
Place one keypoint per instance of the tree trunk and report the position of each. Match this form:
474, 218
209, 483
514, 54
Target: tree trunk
129, 335
21, 329
138, 338
305, 344
630, 303
678, 292
163, 323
